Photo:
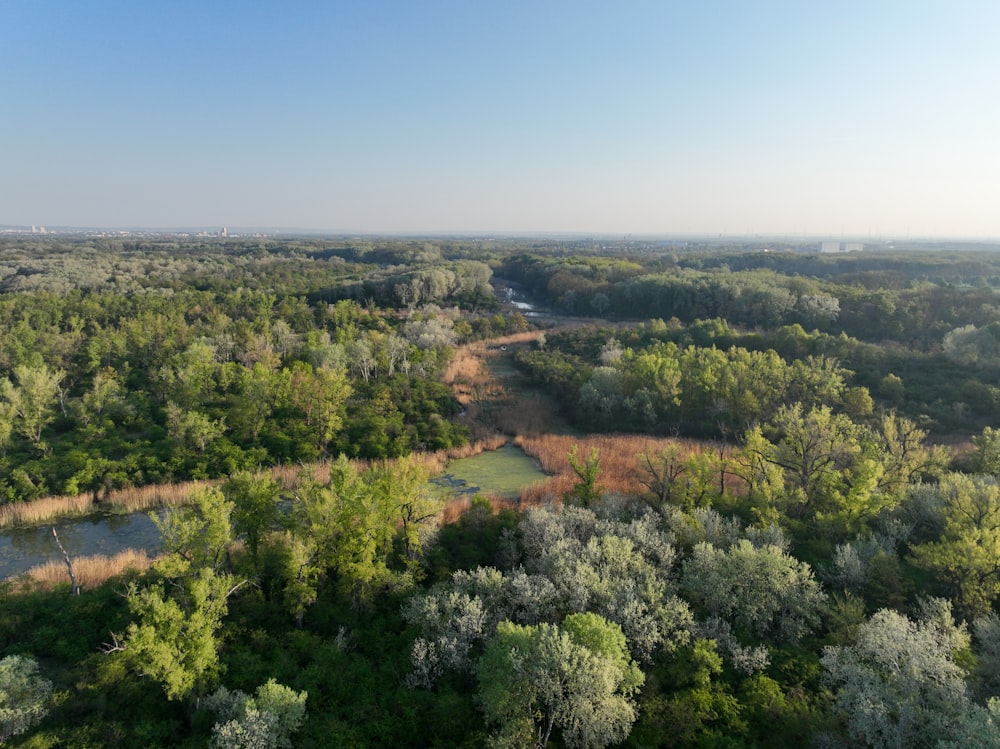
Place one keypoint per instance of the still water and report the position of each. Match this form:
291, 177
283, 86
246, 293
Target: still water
23, 548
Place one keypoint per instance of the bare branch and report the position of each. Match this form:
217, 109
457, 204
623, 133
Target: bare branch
115, 646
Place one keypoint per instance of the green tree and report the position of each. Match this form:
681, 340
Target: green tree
174, 638
254, 509
967, 555
986, 457
349, 526
577, 677
319, 395
189, 377
587, 491
197, 536
762, 591
32, 399
259, 391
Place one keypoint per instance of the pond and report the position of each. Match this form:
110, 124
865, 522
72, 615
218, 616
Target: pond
502, 472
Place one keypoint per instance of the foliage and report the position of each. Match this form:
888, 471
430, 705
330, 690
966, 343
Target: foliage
265, 721
24, 695
899, 683
577, 677
822, 380
760, 592
175, 639
587, 491
966, 557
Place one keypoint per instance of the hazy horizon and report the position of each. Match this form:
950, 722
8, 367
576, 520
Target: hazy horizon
853, 120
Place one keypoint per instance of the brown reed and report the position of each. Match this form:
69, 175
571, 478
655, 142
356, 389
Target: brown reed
45, 509
619, 456
90, 571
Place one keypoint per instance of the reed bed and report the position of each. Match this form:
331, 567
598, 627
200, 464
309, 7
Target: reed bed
45, 509
513, 339
458, 506
90, 571
132, 499
619, 456
154, 496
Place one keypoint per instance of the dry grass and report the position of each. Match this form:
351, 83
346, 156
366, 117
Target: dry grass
515, 338
44, 510
90, 571
154, 496
460, 505
135, 499
618, 454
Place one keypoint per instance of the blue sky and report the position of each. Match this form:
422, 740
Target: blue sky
874, 118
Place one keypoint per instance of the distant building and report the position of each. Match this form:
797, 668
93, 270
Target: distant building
831, 247
224, 232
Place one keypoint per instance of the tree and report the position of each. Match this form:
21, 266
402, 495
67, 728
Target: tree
260, 390
349, 526
577, 677
967, 555
822, 464
192, 430
24, 695
32, 399
761, 591
174, 637
254, 508
319, 395
619, 569
899, 684
587, 491
106, 397
904, 456
197, 536
265, 721
189, 377
986, 457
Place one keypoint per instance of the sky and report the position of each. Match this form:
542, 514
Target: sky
854, 118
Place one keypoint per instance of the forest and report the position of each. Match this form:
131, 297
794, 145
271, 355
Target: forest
770, 515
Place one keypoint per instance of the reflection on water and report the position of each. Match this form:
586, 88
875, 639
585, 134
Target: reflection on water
24, 548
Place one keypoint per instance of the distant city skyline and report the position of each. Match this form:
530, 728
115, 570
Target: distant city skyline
873, 119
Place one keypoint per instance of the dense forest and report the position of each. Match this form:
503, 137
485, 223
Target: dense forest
772, 517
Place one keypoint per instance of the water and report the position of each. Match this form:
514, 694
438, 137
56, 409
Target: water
501, 472
24, 548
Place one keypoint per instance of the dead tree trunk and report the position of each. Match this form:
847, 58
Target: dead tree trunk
69, 563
